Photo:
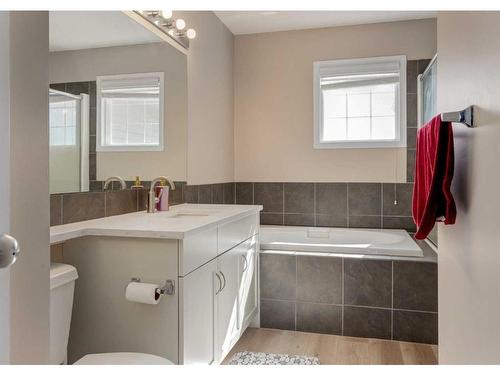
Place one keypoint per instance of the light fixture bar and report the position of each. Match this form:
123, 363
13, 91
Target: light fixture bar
162, 21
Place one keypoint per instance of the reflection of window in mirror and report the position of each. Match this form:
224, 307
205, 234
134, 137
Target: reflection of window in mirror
130, 112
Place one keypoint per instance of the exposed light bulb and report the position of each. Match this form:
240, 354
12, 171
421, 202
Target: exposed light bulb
166, 14
191, 33
180, 24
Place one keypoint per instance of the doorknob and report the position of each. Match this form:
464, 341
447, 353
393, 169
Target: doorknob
9, 249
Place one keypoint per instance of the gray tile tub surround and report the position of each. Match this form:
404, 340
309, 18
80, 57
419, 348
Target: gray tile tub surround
301, 293
388, 299
368, 282
354, 205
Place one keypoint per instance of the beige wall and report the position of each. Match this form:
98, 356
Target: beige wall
469, 262
29, 186
4, 182
85, 65
274, 105
210, 93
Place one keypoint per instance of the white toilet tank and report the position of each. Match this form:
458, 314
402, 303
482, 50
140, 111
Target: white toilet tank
62, 286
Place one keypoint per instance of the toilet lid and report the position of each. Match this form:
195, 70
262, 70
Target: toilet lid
122, 359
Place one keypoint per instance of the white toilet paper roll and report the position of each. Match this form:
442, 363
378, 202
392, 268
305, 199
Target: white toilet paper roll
142, 293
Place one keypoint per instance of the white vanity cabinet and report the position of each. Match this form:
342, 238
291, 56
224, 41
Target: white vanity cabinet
218, 300
214, 269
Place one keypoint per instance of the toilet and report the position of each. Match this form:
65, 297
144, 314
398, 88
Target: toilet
62, 286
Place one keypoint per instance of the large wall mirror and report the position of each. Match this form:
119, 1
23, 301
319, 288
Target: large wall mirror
117, 102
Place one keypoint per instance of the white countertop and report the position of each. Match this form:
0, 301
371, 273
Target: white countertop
181, 221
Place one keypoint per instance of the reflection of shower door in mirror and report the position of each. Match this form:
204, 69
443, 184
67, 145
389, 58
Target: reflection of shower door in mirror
427, 82
69, 146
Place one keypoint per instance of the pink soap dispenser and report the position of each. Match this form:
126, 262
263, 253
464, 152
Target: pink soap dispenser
162, 204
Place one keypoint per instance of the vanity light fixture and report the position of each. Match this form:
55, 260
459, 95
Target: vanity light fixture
180, 24
174, 28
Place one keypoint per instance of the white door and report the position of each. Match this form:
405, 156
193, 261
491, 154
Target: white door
8, 246
227, 303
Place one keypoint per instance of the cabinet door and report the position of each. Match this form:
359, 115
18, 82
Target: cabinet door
227, 303
247, 292
197, 312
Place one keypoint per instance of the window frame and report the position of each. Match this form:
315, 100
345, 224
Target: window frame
99, 123
400, 117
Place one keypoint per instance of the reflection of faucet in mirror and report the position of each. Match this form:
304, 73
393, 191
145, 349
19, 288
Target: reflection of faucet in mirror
109, 180
152, 199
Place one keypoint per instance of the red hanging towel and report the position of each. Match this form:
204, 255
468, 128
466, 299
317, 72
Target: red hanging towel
434, 162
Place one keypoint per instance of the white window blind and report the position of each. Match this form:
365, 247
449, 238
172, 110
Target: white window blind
358, 104
130, 112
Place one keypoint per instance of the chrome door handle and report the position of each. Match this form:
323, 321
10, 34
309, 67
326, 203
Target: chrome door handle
224, 277
9, 249
245, 265
220, 283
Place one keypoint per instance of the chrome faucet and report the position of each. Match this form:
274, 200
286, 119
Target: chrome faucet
109, 180
152, 199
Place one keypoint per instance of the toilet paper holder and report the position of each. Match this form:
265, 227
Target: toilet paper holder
167, 289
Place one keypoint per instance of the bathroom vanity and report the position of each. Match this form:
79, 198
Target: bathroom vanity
209, 252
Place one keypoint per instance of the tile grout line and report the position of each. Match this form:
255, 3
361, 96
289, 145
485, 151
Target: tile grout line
343, 285
392, 300
382, 206
296, 294
348, 305
283, 209
314, 205
347, 199
62, 209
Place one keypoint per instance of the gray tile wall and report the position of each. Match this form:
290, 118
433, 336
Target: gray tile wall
354, 205
352, 297
72, 207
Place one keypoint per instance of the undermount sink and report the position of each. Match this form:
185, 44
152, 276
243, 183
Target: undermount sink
190, 213
187, 214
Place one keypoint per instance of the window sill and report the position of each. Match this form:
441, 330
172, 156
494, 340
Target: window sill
360, 144
130, 148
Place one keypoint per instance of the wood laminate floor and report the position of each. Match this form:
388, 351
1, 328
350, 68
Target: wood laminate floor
335, 350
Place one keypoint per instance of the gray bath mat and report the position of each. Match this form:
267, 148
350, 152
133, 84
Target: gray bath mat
258, 358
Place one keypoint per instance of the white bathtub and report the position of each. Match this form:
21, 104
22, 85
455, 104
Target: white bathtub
383, 242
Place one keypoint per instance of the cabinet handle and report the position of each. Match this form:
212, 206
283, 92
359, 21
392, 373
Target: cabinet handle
224, 277
245, 265
220, 283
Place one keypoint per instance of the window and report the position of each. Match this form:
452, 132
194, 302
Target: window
360, 103
130, 112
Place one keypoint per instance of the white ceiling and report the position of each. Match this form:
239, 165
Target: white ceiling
95, 29
251, 22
